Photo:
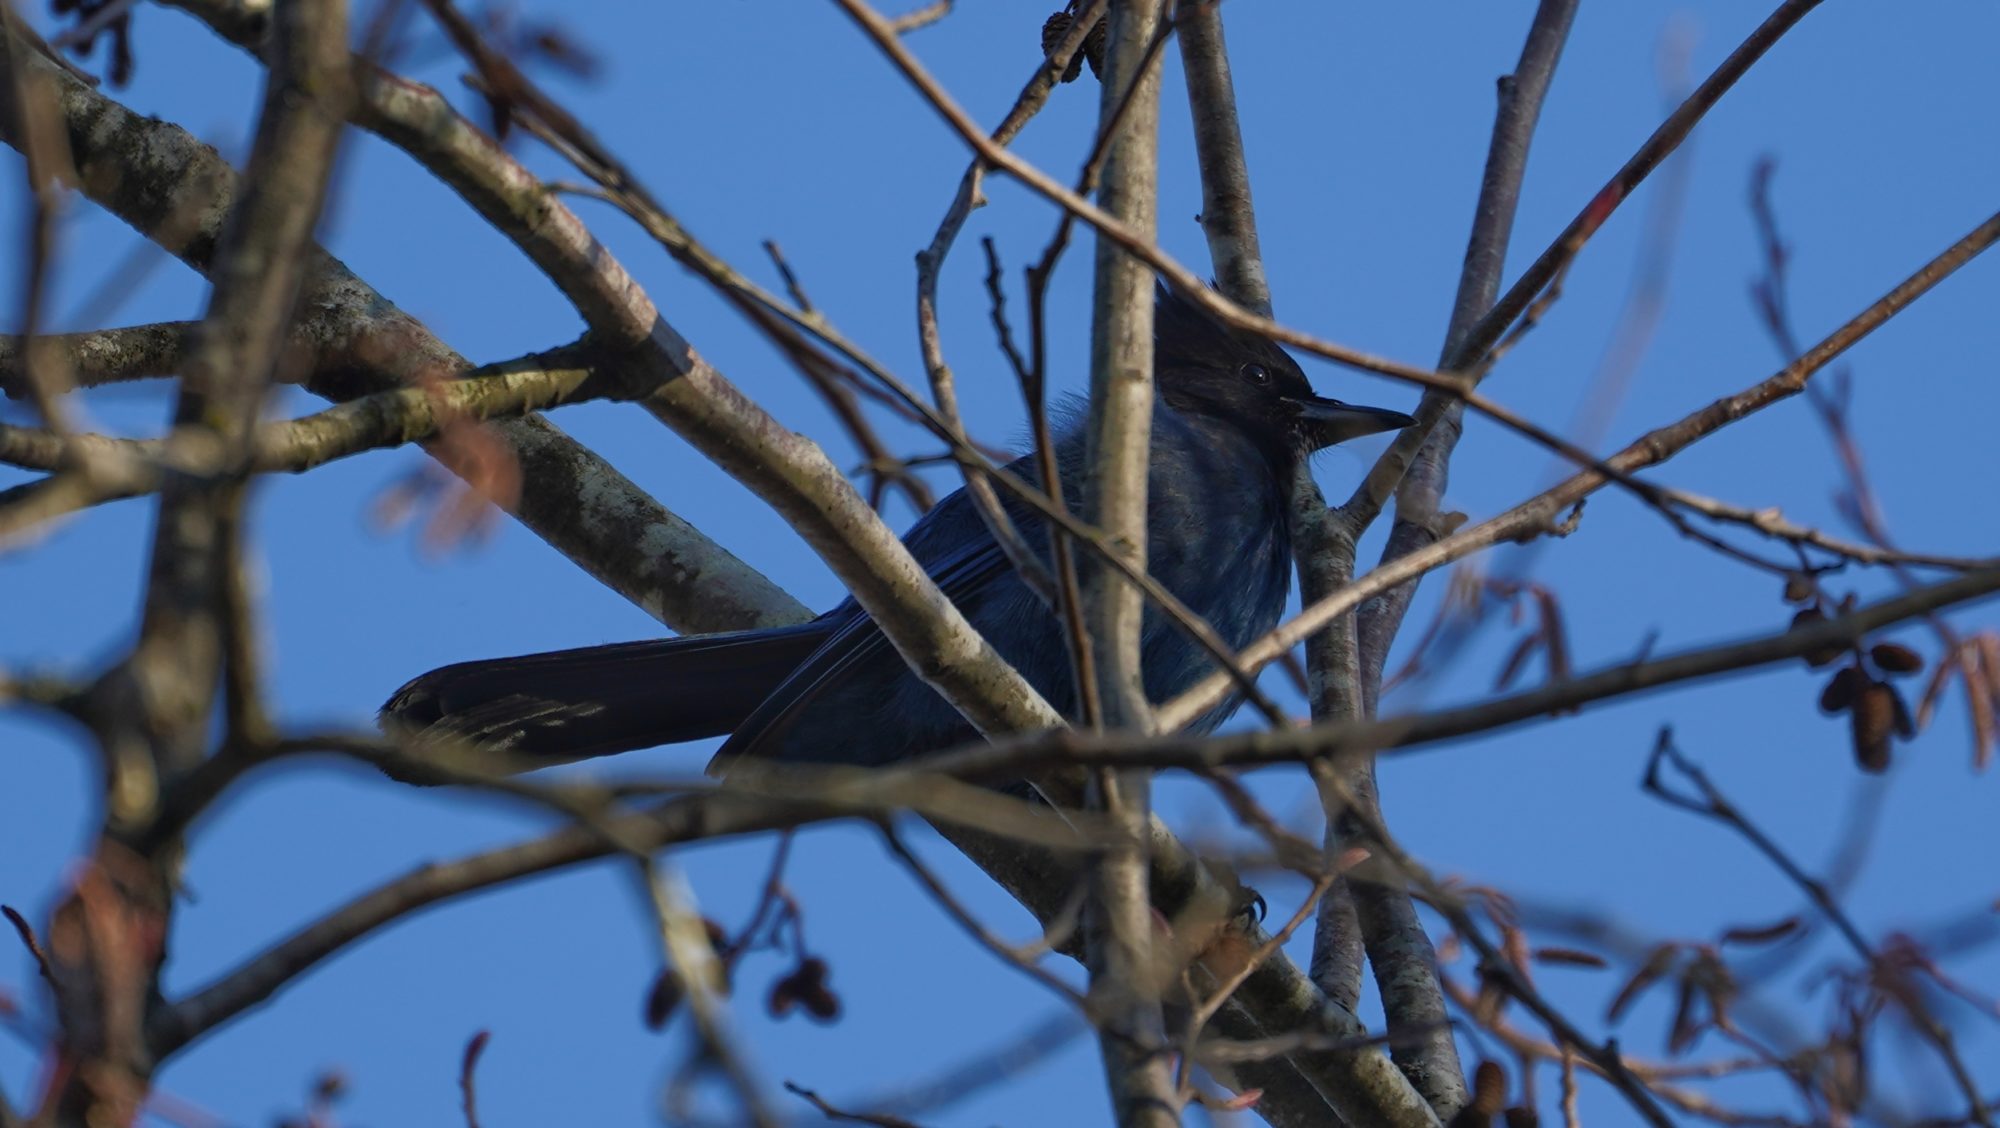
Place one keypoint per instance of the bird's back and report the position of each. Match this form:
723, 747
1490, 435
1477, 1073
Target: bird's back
1217, 538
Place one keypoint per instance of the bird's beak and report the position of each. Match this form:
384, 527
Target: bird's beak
1325, 422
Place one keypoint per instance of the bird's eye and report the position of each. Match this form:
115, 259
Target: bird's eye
1256, 374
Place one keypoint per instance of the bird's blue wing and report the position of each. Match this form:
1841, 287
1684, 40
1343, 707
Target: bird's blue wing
854, 645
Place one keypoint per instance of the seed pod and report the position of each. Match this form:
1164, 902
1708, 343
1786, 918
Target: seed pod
1053, 30
1895, 658
1870, 723
823, 1005
1489, 1088
1798, 588
663, 999
783, 997
1841, 690
1093, 48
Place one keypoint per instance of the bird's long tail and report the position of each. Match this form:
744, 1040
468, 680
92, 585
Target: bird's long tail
596, 701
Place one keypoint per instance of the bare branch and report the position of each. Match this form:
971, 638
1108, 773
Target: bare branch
1709, 802
1005, 758
1228, 218
1539, 514
177, 197
102, 356
1119, 940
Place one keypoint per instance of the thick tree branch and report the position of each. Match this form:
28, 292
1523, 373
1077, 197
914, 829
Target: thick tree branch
175, 191
381, 421
101, 356
1119, 940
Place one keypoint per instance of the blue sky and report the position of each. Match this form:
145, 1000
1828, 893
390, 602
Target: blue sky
1365, 127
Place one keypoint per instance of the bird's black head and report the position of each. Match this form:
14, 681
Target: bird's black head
1203, 367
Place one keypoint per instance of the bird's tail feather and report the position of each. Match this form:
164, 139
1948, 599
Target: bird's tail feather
597, 701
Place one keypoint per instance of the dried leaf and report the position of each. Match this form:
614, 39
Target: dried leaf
1514, 945
1717, 985
1687, 1024
1517, 661
1570, 957
1657, 964
1977, 671
1491, 999
1762, 934
1934, 688
1553, 632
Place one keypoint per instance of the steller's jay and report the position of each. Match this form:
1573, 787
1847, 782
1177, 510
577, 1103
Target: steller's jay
1232, 418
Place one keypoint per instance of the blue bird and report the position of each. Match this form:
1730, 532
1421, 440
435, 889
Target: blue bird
1233, 417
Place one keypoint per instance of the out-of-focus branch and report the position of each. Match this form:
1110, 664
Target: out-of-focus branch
177, 196
152, 711
130, 467
102, 356
1004, 759
1708, 801
1497, 968
1119, 937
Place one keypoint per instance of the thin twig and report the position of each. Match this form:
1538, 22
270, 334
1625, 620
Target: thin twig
1538, 514
468, 1091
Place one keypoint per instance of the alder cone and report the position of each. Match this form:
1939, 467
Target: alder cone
1053, 30
1895, 658
1841, 691
1871, 722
